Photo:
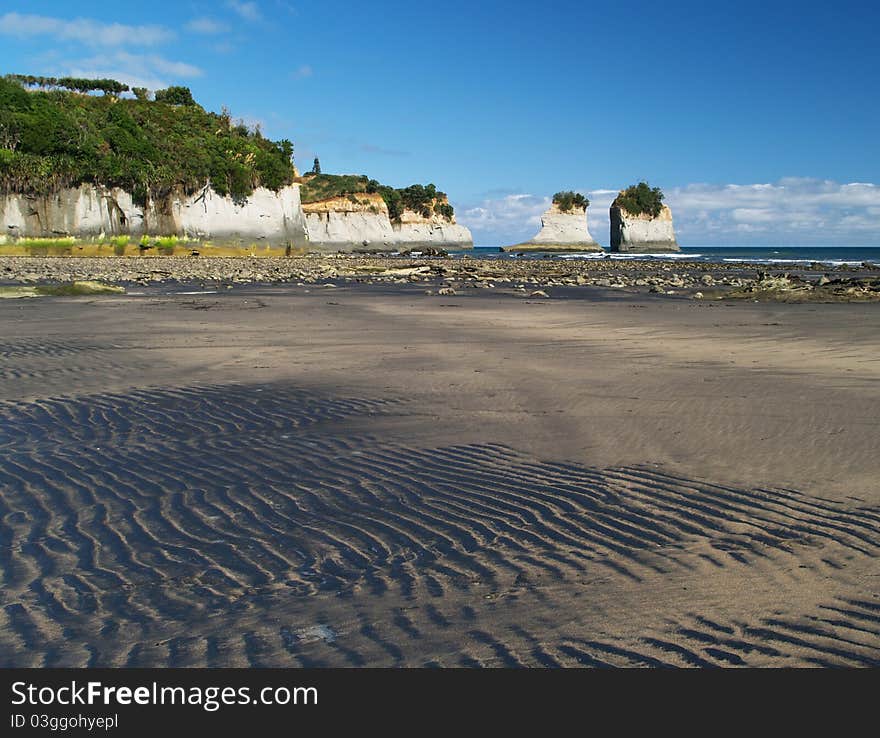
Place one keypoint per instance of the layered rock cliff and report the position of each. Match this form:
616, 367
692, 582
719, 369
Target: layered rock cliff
642, 233
350, 223
89, 212
415, 231
561, 230
361, 223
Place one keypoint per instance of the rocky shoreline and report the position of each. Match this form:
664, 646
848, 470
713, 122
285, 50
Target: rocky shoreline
699, 280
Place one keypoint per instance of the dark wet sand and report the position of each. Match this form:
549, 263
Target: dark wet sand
372, 476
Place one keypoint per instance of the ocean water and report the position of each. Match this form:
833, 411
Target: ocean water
770, 255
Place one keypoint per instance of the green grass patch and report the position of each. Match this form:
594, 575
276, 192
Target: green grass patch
57, 244
119, 244
326, 186
67, 289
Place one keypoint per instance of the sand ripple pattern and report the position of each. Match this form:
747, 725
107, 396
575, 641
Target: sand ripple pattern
35, 361
181, 526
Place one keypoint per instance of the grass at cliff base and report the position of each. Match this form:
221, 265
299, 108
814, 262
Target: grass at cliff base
145, 247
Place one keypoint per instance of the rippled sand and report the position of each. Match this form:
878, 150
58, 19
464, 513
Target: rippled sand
277, 477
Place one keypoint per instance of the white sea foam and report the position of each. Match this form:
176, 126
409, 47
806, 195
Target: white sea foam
758, 260
625, 257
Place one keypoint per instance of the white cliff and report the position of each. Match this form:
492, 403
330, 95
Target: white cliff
642, 233
89, 212
264, 216
351, 223
561, 230
83, 211
361, 223
348, 223
414, 231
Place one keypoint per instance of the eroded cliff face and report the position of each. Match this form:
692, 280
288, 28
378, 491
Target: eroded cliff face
642, 233
265, 216
361, 223
90, 212
414, 231
354, 223
348, 223
561, 230
84, 211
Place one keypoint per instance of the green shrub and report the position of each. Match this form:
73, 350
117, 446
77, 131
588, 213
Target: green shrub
326, 186
175, 96
567, 200
641, 199
421, 199
119, 244
444, 209
51, 139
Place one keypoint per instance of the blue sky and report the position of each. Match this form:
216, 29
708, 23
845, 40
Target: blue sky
758, 119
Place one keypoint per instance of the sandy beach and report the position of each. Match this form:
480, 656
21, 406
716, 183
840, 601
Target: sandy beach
367, 475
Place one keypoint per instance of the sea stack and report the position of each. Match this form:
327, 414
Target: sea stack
563, 227
640, 222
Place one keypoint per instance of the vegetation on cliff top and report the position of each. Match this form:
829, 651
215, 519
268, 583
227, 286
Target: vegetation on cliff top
315, 188
53, 134
423, 199
76, 84
641, 199
51, 138
566, 200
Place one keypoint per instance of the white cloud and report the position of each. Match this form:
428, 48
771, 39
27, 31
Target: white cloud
82, 30
794, 210
206, 26
250, 11
505, 220
303, 71
136, 70
753, 215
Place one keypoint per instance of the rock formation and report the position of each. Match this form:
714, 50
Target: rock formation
361, 223
561, 230
414, 231
350, 223
642, 233
89, 212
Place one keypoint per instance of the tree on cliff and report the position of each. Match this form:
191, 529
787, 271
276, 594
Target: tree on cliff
286, 146
175, 96
567, 200
641, 199
423, 199
316, 167
50, 140
75, 84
